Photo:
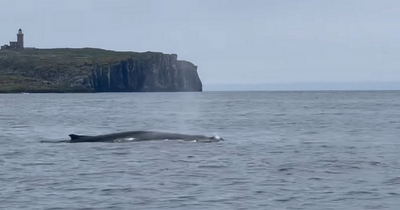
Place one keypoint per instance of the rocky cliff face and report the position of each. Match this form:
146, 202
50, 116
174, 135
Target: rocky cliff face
160, 73
94, 70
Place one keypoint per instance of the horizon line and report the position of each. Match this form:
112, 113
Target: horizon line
305, 86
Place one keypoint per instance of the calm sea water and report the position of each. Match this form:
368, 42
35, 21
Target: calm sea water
284, 150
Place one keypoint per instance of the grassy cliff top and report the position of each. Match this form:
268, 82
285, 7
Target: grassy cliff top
71, 55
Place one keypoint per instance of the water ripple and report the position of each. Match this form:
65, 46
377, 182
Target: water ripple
283, 151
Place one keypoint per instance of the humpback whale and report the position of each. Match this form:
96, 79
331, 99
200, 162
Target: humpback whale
137, 136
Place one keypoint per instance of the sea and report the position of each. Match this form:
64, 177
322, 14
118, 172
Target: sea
317, 150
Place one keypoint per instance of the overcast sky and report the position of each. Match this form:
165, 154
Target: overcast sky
232, 41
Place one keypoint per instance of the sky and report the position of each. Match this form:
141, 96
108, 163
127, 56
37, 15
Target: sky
231, 41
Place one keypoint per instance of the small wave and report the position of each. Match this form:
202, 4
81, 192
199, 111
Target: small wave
38, 164
310, 132
276, 152
188, 197
212, 166
359, 193
60, 141
79, 189
326, 146
285, 199
128, 189
280, 114
333, 172
315, 178
285, 169
393, 181
121, 153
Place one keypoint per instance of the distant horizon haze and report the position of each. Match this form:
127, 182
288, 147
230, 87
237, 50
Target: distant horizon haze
305, 86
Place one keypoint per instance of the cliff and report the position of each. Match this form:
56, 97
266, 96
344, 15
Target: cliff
94, 70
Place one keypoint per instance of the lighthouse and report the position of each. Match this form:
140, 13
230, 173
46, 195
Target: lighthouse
20, 40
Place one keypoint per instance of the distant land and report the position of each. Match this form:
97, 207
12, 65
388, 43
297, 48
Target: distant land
306, 86
64, 70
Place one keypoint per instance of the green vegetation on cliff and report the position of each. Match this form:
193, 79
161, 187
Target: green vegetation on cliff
94, 70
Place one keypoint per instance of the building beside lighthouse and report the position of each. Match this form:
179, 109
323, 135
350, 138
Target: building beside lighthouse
18, 45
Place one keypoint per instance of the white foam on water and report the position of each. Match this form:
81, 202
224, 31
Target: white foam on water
124, 139
217, 137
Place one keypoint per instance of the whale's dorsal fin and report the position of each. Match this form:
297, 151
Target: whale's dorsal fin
75, 136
